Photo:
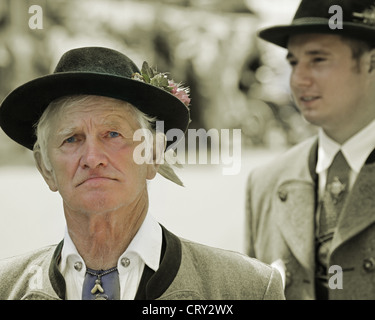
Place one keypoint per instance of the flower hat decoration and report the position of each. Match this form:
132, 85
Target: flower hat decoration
160, 80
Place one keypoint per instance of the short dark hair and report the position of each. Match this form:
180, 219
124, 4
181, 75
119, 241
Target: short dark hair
358, 47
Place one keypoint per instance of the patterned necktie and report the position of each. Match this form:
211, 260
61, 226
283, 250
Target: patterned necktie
101, 285
331, 207
334, 195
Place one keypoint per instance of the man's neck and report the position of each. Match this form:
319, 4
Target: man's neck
101, 238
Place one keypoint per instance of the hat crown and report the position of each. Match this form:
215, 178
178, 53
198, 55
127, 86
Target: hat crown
320, 8
96, 60
324, 17
89, 71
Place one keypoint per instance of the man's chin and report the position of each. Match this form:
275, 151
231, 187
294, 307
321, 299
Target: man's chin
312, 117
95, 206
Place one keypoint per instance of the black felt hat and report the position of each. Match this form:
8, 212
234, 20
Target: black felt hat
89, 71
313, 16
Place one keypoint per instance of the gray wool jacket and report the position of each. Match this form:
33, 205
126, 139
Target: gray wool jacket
281, 207
188, 271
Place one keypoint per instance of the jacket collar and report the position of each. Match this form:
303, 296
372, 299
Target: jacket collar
312, 160
152, 284
56, 278
358, 211
296, 202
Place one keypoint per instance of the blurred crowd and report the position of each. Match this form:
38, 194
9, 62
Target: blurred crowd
210, 46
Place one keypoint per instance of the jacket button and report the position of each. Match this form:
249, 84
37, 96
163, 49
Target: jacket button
78, 266
283, 196
369, 264
125, 262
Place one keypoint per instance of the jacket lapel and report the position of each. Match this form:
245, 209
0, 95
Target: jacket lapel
297, 209
359, 210
154, 284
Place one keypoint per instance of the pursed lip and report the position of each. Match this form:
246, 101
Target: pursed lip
94, 178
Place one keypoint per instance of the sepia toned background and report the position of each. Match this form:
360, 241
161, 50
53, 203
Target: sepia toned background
237, 81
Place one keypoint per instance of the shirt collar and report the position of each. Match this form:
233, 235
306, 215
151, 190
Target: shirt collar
327, 150
146, 244
356, 150
70, 255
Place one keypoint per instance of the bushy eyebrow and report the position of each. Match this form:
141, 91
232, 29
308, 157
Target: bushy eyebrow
109, 122
116, 122
68, 131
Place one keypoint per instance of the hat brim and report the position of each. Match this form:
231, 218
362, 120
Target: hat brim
22, 108
279, 35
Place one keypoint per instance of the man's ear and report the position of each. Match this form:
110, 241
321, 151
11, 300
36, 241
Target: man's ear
159, 143
48, 176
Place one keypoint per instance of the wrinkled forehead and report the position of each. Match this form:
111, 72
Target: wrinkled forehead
95, 109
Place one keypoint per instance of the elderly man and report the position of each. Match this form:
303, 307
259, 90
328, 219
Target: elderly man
311, 211
85, 115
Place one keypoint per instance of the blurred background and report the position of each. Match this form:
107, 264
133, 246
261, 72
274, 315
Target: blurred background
237, 81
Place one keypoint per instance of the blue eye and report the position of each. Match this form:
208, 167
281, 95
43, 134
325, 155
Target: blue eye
70, 139
114, 134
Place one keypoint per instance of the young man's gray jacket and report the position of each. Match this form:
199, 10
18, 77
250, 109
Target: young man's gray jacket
187, 271
281, 206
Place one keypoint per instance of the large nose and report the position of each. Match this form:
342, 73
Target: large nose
301, 76
93, 154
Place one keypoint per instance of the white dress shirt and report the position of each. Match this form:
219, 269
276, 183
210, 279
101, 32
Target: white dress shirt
145, 248
355, 150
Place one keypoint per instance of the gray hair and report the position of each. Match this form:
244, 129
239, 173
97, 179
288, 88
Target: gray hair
57, 107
